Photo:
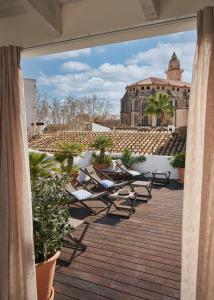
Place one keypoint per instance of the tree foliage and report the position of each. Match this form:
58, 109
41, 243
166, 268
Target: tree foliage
41, 165
66, 111
66, 155
159, 105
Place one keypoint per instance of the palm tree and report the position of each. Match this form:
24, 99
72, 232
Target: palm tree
159, 105
102, 143
66, 155
41, 165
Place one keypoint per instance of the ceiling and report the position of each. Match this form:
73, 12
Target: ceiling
48, 26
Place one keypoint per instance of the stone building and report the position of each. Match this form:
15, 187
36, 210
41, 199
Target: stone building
135, 100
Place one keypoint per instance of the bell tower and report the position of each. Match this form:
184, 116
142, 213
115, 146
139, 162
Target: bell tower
174, 71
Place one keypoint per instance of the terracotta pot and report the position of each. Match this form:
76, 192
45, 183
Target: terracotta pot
100, 166
181, 172
44, 278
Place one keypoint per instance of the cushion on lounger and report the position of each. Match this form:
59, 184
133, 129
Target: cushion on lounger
107, 183
81, 194
133, 173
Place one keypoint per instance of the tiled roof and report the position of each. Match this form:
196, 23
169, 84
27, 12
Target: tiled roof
160, 81
152, 142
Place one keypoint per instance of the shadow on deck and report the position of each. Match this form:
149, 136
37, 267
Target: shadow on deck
138, 258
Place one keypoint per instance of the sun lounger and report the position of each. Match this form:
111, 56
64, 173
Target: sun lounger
102, 180
83, 195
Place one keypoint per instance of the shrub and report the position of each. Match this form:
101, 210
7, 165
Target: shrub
50, 218
178, 160
130, 159
107, 159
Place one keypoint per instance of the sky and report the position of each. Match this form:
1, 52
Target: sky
105, 71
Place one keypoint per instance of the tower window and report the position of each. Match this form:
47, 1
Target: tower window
173, 88
188, 90
158, 87
163, 88
133, 89
178, 89
130, 89
142, 87
148, 87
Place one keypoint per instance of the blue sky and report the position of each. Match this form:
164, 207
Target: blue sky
106, 70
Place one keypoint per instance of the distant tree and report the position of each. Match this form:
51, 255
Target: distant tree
43, 109
55, 111
159, 105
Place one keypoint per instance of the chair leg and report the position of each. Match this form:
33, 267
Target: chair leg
77, 243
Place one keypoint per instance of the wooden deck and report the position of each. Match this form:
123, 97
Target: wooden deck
138, 258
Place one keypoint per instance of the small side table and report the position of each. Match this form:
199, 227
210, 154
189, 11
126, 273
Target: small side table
147, 185
161, 178
131, 198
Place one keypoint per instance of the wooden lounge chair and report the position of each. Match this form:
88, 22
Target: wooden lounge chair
83, 195
103, 181
70, 241
130, 172
139, 180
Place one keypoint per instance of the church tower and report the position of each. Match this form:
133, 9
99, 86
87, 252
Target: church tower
174, 71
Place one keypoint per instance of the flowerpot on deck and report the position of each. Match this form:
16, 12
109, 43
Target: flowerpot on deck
181, 172
44, 278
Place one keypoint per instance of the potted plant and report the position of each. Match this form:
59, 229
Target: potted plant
102, 143
65, 157
178, 161
50, 224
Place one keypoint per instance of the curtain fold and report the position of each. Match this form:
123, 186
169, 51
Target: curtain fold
17, 269
198, 212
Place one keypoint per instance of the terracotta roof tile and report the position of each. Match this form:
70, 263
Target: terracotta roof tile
161, 143
160, 81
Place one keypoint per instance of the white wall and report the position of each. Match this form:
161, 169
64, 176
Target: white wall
156, 162
30, 103
98, 127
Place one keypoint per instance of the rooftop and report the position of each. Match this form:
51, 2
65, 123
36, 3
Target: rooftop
151, 142
160, 81
138, 258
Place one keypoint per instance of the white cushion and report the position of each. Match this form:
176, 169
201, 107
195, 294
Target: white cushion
107, 183
134, 173
81, 194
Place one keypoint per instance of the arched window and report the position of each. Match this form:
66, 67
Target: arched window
145, 121
144, 104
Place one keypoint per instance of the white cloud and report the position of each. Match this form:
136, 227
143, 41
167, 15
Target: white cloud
68, 54
74, 66
100, 49
157, 58
109, 80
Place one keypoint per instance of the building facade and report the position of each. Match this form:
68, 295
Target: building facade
135, 100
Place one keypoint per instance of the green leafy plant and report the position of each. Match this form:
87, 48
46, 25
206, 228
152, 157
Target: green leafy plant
50, 218
159, 105
102, 143
74, 170
65, 157
106, 160
178, 160
130, 159
41, 165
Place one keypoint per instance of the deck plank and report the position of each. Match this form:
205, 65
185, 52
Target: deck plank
138, 258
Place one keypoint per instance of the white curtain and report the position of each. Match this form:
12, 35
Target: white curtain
198, 216
17, 270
